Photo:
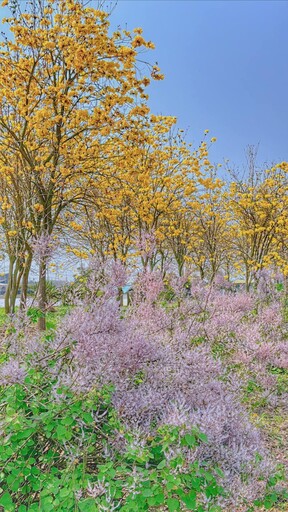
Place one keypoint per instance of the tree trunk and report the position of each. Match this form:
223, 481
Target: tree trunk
13, 297
16, 270
42, 294
247, 280
180, 265
202, 273
162, 264
9, 285
12, 286
25, 279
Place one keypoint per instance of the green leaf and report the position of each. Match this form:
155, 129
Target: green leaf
6, 501
87, 505
173, 504
270, 500
16, 484
195, 483
157, 499
212, 490
203, 437
47, 504
34, 507
64, 492
190, 440
147, 492
190, 500
162, 464
62, 433
67, 421
26, 433
208, 477
87, 417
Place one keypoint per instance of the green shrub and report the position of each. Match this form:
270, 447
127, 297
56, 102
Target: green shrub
47, 445
53, 456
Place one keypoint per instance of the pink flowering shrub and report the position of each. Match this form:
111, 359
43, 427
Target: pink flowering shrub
11, 372
170, 365
159, 375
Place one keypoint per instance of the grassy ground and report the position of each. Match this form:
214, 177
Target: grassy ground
52, 318
2, 316
272, 420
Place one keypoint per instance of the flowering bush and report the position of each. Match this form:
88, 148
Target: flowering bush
177, 366
58, 451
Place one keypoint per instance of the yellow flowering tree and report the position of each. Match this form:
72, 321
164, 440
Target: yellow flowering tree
145, 190
16, 227
258, 207
66, 87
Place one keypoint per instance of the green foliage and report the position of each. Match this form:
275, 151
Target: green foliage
48, 445
220, 348
2, 316
253, 395
53, 293
34, 314
274, 495
282, 378
53, 317
198, 340
279, 287
167, 295
52, 456
157, 476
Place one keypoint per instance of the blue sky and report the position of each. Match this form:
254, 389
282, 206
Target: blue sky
226, 70
225, 66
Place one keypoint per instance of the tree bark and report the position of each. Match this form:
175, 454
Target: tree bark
15, 274
42, 294
9, 285
25, 279
247, 279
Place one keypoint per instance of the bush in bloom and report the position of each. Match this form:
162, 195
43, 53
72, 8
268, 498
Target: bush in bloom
173, 363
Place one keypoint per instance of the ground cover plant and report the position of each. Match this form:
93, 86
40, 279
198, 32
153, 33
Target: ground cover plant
152, 407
